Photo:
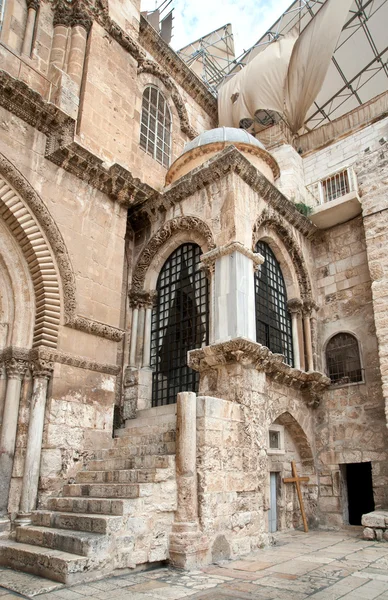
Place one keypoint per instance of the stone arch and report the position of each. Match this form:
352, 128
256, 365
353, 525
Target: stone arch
298, 435
163, 243
44, 250
272, 222
151, 67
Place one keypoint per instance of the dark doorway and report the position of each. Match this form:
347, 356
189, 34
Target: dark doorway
360, 491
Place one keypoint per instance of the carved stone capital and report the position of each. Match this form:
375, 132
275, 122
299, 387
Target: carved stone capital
212, 256
33, 4
309, 305
142, 298
81, 16
16, 368
294, 306
62, 13
42, 367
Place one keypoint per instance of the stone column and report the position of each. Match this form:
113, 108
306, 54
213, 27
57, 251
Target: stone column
233, 290
3, 389
188, 545
32, 8
307, 309
133, 343
41, 370
295, 307
62, 20
147, 337
16, 369
81, 24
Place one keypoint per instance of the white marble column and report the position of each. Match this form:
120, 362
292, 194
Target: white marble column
16, 369
308, 340
32, 8
233, 290
147, 337
42, 370
294, 306
133, 344
3, 389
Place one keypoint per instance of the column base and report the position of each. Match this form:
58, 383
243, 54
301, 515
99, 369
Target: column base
22, 519
189, 547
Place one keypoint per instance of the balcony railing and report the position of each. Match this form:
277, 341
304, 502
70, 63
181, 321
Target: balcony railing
334, 186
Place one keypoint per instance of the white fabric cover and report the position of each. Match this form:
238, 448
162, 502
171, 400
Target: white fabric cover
288, 75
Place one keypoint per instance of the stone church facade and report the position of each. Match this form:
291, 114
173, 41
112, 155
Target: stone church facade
144, 252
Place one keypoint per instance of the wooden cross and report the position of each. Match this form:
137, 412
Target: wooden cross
297, 480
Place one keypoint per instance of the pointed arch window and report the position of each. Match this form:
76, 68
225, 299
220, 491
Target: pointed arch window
155, 127
273, 321
180, 322
343, 359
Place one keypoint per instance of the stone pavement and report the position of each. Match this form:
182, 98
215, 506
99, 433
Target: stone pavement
318, 565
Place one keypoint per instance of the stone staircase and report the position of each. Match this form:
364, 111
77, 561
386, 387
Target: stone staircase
117, 514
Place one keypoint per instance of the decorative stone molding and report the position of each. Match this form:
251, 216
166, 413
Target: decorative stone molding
160, 238
225, 162
208, 259
142, 299
149, 66
253, 355
26, 229
47, 356
271, 220
308, 307
42, 368
169, 60
294, 306
16, 362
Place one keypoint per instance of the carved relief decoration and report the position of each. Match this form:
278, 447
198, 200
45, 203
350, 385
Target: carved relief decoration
25, 198
160, 238
250, 354
149, 66
270, 220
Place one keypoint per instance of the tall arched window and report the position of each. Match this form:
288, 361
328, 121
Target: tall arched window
180, 322
343, 359
273, 321
155, 128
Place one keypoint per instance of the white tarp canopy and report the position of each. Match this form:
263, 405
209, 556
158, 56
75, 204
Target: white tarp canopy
288, 75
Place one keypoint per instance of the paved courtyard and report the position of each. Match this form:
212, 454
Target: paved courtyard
317, 565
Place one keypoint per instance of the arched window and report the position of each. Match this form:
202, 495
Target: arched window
180, 321
343, 359
155, 128
273, 321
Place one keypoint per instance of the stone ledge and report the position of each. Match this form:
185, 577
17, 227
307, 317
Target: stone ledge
252, 355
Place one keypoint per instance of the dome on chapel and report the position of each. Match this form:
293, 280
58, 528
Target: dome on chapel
209, 143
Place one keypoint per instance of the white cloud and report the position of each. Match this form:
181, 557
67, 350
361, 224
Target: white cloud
195, 18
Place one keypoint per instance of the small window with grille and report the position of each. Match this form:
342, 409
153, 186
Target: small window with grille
155, 126
276, 439
335, 186
273, 321
180, 320
343, 359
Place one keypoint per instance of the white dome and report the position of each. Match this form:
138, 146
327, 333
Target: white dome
223, 134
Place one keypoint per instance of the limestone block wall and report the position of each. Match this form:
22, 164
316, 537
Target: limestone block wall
349, 421
345, 152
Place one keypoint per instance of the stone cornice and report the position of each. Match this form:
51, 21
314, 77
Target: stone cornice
171, 62
210, 258
250, 354
228, 161
49, 356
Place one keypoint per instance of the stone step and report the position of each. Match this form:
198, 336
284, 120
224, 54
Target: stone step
77, 521
91, 506
122, 476
53, 564
126, 436
153, 417
100, 490
66, 540
127, 451
147, 461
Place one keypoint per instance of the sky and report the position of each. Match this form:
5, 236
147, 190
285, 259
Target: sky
193, 19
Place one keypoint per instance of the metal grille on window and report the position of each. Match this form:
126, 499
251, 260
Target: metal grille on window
273, 321
180, 320
343, 359
155, 128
